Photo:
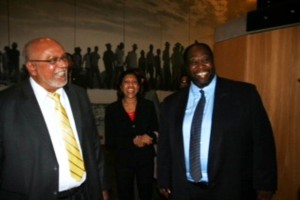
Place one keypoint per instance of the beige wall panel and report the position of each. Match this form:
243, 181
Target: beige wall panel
272, 62
230, 57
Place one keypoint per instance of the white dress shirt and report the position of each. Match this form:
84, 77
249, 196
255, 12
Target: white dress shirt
193, 98
47, 106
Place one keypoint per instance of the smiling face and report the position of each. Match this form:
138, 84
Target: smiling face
200, 66
49, 75
130, 86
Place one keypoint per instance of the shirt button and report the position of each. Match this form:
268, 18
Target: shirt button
55, 168
133, 126
55, 193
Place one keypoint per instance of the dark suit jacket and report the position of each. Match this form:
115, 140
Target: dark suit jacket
28, 165
241, 154
120, 130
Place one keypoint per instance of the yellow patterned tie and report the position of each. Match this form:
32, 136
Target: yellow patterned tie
75, 159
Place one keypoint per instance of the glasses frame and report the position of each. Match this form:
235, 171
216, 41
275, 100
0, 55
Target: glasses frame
53, 61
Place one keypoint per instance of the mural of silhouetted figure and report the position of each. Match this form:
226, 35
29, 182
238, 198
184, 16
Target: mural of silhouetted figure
76, 68
86, 62
5, 64
142, 62
24, 74
132, 60
14, 62
70, 66
1, 66
95, 72
157, 65
166, 67
108, 60
77, 58
150, 64
176, 59
119, 62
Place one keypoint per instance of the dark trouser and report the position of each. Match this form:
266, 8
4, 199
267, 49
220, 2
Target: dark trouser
126, 173
204, 192
73, 194
200, 191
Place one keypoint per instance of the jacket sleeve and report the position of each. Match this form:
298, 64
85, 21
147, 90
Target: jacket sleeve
163, 151
264, 152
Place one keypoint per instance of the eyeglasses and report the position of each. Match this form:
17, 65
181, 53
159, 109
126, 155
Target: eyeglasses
53, 61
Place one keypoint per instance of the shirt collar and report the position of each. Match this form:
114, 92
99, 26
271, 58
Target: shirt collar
40, 92
208, 90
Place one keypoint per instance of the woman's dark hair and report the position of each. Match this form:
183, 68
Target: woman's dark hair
120, 94
145, 85
203, 46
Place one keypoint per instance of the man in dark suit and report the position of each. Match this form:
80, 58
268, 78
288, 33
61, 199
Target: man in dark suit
237, 151
34, 160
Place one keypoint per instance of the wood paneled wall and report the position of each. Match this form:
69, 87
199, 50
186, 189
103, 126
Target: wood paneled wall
271, 60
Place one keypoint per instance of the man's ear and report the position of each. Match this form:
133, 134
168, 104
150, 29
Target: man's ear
31, 68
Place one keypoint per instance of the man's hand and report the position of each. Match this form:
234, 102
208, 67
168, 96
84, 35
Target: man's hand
165, 192
264, 195
105, 195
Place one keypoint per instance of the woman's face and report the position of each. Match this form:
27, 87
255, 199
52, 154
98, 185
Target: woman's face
130, 86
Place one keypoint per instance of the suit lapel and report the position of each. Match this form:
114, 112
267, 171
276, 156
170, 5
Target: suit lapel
216, 139
32, 113
178, 135
181, 111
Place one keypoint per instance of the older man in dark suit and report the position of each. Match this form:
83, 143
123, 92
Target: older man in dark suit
37, 161
229, 154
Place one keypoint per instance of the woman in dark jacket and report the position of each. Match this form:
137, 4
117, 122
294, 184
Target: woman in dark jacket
130, 132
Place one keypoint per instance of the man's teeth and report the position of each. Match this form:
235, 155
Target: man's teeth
202, 74
62, 73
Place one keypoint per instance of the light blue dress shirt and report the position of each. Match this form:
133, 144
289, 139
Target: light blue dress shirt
193, 98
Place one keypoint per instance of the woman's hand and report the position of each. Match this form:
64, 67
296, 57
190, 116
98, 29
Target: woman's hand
142, 140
